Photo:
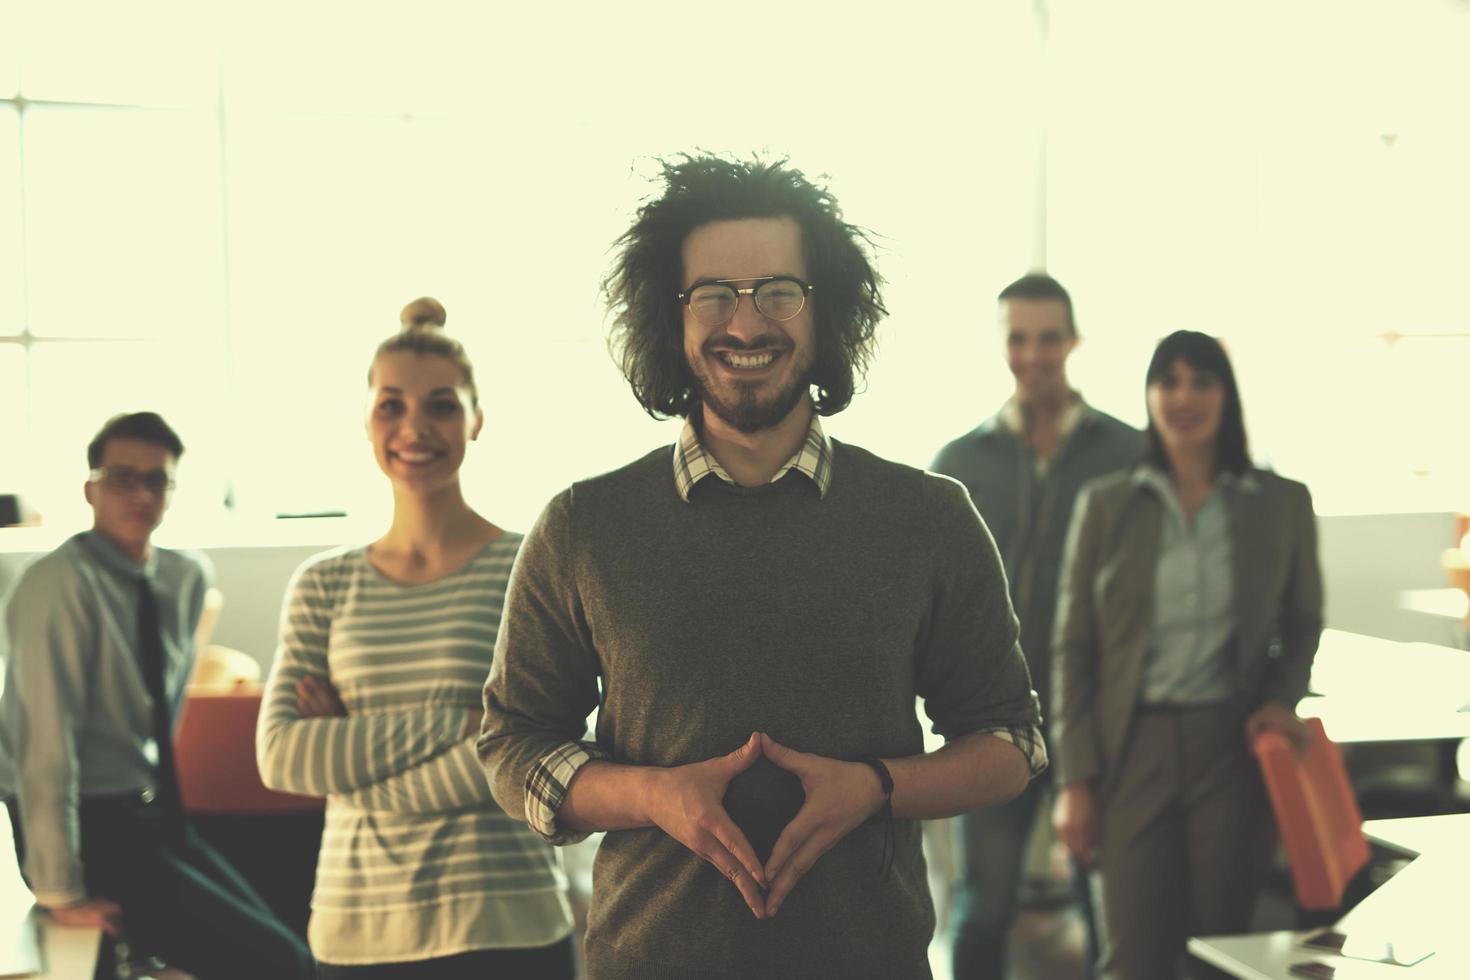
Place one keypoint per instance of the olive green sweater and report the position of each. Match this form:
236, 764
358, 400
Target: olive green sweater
815, 619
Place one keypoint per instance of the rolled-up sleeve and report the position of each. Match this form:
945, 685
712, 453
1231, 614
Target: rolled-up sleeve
543, 681
546, 788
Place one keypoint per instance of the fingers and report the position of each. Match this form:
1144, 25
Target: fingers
316, 698
733, 841
1069, 840
793, 835
745, 756
92, 914
1078, 847
329, 695
1301, 738
807, 837
309, 700
304, 698
1282, 721
788, 759
1080, 840
802, 851
686, 805
715, 852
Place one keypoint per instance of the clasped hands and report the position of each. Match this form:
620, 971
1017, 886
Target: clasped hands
686, 802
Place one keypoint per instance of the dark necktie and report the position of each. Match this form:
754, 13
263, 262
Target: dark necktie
150, 647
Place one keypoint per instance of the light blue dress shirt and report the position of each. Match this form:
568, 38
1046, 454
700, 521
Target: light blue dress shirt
75, 714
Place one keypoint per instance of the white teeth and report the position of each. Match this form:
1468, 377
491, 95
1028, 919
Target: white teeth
748, 360
415, 457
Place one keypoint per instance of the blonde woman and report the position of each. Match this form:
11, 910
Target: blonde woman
374, 702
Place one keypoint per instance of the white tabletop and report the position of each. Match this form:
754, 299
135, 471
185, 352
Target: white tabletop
1353, 666
1376, 690
1449, 603
1353, 721
1423, 903
1448, 834
71, 954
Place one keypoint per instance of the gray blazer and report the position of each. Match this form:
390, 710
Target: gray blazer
1105, 610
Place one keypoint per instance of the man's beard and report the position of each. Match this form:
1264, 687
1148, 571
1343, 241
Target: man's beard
743, 409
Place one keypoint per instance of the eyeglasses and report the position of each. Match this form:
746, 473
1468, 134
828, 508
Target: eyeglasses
127, 479
713, 301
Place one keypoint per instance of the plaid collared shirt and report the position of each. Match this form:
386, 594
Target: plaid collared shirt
692, 462
547, 781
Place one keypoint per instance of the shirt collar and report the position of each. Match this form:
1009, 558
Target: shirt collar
1013, 419
111, 557
1149, 475
692, 462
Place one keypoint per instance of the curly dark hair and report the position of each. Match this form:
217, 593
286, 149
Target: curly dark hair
647, 334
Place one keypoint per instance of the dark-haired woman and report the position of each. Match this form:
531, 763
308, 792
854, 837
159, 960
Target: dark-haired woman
1189, 614
374, 702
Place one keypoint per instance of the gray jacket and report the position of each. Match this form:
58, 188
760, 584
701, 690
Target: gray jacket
1105, 610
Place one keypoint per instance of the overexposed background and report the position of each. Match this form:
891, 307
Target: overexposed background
215, 210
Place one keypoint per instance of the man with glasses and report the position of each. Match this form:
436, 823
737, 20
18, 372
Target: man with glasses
754, 611
1024, 467
99, 645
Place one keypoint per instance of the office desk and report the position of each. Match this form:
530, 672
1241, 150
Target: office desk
66, 954
1415, 836
1368, 689
1424, 900
1358, 722
1355, 667
1451, 605
70, 954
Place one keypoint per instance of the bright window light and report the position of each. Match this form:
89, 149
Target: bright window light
12, 315
231, 251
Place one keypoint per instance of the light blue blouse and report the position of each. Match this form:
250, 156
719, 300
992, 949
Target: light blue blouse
1189, 656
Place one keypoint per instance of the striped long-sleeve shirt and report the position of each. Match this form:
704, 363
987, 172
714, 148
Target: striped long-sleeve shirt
417, 861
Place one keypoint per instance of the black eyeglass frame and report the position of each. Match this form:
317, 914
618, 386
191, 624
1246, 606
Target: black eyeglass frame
759, 282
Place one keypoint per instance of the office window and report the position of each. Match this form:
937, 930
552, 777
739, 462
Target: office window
1290, 178
225, 205
12, 319
13, 387
122, 224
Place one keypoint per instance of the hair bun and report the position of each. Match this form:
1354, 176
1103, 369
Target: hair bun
424, 313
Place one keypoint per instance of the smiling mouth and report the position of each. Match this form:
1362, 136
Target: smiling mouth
415, 457
747, 360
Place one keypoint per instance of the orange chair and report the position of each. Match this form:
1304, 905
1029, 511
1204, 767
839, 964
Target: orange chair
1316, 813
214, 750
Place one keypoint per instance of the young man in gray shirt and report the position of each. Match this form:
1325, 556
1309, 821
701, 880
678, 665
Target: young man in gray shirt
1024, 467
100, 643
754, 611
